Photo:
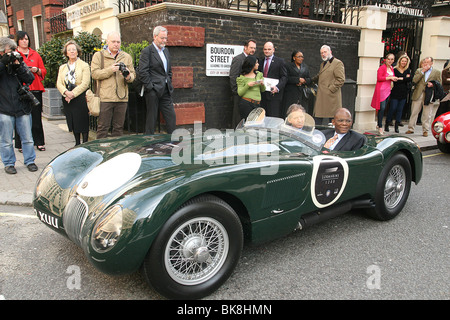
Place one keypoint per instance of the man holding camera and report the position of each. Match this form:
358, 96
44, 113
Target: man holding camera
15, 107
113, 69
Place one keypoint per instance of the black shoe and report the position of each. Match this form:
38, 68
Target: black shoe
396, 127
386, 127
10, 170
400, 124
32, 167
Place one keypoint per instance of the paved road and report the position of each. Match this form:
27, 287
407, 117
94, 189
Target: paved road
349, 257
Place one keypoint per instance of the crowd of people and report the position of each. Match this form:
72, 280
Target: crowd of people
284, 90
395, 84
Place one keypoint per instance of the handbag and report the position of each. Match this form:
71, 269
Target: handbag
309, 91
93, 100
93, 103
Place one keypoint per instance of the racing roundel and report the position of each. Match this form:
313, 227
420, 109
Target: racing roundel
329, 179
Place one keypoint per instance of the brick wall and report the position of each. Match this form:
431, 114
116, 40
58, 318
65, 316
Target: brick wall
188, 50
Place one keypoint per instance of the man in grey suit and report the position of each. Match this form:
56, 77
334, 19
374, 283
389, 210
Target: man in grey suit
235, 71
155, 72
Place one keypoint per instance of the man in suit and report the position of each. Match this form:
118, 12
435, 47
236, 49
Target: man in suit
330, 79
273, 67
235, 71
155, 72
423, 78
342, 138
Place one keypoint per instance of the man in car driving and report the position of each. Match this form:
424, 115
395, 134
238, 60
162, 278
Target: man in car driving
342, 138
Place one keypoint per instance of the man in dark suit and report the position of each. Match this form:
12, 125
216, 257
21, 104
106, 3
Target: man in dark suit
155, 72
235, 71
274, 68
342, 138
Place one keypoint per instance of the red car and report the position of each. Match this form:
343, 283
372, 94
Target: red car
441, 131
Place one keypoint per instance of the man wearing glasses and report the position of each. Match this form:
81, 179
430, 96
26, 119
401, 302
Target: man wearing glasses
342, 138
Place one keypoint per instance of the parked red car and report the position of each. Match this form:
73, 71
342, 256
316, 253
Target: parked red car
441, 131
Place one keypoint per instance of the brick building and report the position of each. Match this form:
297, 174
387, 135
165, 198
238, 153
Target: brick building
32, 16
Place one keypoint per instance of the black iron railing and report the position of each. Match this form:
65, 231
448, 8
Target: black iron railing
339, 11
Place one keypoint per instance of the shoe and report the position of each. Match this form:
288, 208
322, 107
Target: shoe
400, 124
396, 127
409, 132
386, 127
380, 130
10, 170
32, 167
40, 148
425, 134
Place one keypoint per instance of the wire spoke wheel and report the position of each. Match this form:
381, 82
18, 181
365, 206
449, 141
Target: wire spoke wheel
196, 251
395, 186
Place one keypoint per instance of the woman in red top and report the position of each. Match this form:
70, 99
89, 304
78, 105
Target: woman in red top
34, 61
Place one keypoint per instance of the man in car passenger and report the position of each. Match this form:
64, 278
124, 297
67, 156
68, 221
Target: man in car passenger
342, 138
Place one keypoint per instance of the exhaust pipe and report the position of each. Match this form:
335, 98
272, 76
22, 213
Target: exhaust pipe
312, 218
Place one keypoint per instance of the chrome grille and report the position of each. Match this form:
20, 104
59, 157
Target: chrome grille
74, 217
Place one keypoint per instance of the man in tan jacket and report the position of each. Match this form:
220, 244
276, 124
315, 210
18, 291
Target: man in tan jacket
330, 79
113, 69
422, 79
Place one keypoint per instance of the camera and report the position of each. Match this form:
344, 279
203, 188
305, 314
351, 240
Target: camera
123, 69
26, 95
70, 86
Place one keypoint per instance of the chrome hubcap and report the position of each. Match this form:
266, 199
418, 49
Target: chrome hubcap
394, 187
196, 251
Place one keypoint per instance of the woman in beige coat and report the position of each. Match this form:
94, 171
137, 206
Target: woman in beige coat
74, 78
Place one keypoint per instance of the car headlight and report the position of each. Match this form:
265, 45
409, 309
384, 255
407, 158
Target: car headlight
108, 229
438, 126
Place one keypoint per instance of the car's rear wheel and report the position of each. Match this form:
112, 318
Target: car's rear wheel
393, 188
444, 147
196, 250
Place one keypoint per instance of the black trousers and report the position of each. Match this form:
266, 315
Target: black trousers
163, 104
245, 107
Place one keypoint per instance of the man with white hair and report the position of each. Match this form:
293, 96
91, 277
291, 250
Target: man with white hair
155, 72
330, 79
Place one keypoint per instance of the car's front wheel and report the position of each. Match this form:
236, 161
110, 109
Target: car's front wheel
196, 250
443, 147
393, 188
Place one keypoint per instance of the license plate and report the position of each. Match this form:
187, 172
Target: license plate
48, 219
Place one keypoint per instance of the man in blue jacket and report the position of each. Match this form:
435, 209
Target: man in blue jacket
15, 109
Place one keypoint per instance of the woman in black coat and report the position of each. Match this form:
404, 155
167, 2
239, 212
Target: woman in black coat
298, 77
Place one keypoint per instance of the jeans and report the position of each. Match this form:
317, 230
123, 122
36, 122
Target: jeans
396, 109
23, 126
381, 112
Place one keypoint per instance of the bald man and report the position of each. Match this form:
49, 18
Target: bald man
342, 138
112, 85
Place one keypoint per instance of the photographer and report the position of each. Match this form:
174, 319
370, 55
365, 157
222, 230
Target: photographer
15, 107
113, 69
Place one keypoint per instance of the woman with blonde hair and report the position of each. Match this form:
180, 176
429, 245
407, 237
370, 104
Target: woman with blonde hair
74, 78
399, 92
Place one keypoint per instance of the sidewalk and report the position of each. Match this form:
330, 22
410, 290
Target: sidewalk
18, 189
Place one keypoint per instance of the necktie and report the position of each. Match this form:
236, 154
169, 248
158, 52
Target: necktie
266, 68
330, 141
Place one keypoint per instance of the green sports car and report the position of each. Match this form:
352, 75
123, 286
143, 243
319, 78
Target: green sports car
179, 207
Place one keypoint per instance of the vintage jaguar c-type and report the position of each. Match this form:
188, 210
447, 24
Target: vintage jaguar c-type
179, 207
